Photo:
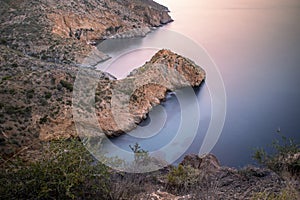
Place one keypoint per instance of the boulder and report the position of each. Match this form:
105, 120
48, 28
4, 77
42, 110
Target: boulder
207, 162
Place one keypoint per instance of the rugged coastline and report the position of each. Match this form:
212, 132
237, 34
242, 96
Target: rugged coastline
65, 31
41, 44
129, 100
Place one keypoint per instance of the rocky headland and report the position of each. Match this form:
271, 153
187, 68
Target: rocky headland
129, 100
37, 96
42, 44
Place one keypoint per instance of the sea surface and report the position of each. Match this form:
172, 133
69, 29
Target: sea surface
254, 46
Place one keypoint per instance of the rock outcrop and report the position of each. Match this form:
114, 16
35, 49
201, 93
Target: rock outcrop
37, 96
131, 99
231, 183
205, 162
203, 177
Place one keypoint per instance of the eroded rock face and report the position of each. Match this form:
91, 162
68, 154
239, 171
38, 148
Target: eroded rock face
221, 182
207, 162
129, 100
105, 18
37, 98
66, 30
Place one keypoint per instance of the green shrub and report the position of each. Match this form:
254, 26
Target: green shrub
285, 194
282, 160
67, 171
30, 93
6, 78
3, 41
44, 119
66, 85
48, 95
183, 179
178, 176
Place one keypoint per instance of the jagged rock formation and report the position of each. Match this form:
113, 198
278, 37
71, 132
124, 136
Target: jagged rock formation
122, 104
64, 31
230, 183
36, 96
207, 162
203, 177
133, 97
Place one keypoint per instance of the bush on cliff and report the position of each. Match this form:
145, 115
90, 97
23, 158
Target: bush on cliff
286, 156
67, 171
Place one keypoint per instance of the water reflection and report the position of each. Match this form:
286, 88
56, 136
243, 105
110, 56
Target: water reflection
256, 45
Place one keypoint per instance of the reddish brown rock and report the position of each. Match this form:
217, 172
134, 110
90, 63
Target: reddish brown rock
65, 30
127, 102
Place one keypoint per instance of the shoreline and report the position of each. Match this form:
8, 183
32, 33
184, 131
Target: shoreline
121, 36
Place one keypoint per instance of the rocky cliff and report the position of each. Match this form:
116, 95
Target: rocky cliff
41, 43
65, 31
122, 104
133, 97
37, 96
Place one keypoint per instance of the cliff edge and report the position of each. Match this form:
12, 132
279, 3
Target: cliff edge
65, 31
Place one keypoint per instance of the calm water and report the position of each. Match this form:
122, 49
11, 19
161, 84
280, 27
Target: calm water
256, 46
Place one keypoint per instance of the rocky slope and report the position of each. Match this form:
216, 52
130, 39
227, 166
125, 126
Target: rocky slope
37, 96
41, 44
64, 31
33, 95
204, 178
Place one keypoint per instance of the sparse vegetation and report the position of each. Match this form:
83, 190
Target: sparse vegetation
44, 119
184, 180
285, 194
36, 88
140, 155
65, 172
286, 162
6, 78
66, 85
48, 95
286, 156
177, 176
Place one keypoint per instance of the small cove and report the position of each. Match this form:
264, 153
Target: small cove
256, 48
